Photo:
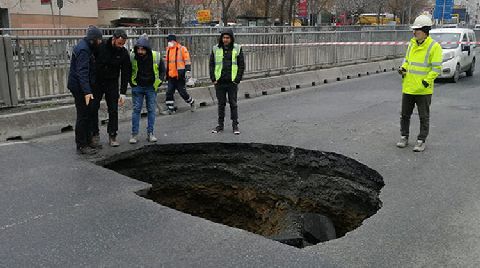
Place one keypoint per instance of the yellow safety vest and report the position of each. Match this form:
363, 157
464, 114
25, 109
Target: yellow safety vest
156, 71
422, 62
218, 52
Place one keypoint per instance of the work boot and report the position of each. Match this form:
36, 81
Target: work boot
95, 142
193, 106
86, 150
151, 138
133, 139
217, 129
403, 142
419, 146
168, 112
236, 131
112, 140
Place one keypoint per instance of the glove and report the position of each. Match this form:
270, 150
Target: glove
182, 75
402, 71
425, 84
121, 100
188, 75
236, 82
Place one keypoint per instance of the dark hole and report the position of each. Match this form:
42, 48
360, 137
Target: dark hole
295, 196
297, 86
68, 128
338, 79
325, 81
283, 89
247, 95
384, 70
348, 76
203, 104
313, 84
368, 73
15, 138
264, 93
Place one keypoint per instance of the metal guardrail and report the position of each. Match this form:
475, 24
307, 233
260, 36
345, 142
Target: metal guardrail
41, 63
197, 30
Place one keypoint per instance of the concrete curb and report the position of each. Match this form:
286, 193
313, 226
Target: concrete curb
29, 124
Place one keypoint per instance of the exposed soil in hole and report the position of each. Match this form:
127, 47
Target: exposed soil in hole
296, 196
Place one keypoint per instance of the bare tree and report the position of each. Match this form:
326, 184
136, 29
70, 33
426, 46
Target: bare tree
226, 4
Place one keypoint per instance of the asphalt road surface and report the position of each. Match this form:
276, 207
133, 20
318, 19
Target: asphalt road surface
58, 209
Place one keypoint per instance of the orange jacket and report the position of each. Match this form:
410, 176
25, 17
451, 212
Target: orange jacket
178, 61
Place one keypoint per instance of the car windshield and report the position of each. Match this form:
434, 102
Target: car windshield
446, 37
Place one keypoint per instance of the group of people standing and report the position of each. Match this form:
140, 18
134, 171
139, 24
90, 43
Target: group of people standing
105, 68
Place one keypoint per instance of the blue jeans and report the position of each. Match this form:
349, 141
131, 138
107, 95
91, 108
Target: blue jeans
137, 98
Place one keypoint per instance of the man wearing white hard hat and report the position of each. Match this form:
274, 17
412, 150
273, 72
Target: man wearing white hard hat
422, 65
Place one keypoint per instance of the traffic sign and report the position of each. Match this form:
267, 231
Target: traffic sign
443, 9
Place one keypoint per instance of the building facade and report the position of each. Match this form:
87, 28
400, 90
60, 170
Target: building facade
46, 14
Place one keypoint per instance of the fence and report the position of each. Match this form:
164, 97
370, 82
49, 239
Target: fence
40, 64
197, 30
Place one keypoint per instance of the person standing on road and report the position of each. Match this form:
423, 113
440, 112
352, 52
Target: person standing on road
422, 65
148, 73
81, 81
112, 58
227, 65
178, 71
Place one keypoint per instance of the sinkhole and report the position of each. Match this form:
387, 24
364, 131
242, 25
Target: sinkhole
295, 196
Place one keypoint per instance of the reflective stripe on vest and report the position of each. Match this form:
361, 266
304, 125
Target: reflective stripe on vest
156, 61
218, 52
424, 66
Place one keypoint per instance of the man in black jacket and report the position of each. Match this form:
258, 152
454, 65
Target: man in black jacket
227, 66
112, 58
81, 79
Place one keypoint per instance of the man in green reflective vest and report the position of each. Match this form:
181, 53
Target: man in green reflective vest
422, 64
148, 71
227, 66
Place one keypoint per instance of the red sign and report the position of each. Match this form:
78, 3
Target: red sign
302, 8
45, 2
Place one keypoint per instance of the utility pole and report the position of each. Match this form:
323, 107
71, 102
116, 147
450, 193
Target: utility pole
53, 15
60, 6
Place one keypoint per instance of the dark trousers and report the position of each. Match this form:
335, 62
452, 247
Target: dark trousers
176, 84
111, 92
84, 123
222, 91
423, 106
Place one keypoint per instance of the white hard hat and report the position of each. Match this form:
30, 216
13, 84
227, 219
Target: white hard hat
422, 21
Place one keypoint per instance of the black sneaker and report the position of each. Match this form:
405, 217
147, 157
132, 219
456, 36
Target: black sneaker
86, 150
218, 129
236, 131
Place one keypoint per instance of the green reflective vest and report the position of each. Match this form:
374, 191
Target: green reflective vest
218, 52
422, 62
156, 61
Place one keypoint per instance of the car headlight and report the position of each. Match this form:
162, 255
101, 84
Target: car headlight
448, 57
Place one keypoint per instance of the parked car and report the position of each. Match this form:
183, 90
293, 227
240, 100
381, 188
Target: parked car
459, 55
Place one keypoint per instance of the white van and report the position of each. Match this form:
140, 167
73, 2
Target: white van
457, 58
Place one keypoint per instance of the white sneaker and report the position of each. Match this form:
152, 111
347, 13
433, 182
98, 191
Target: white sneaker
403, 142
419, 146
133, 139
151, 138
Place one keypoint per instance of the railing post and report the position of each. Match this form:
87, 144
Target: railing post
8, 88
369, 47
